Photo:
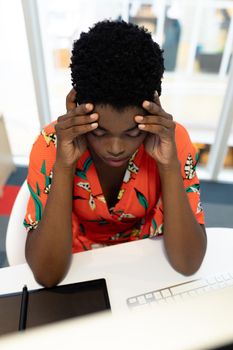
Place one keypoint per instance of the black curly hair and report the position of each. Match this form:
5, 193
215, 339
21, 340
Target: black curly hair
116, 63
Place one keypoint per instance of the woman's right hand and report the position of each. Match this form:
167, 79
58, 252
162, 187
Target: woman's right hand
70, 130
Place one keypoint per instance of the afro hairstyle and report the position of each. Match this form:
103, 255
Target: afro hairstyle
116, 63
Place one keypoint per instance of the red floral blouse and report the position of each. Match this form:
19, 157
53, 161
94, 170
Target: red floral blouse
139, 211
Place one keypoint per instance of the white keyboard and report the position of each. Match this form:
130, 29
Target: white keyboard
181, 291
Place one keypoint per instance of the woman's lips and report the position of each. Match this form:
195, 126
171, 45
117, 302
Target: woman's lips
116, 162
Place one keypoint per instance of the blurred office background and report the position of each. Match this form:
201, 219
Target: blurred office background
197, 37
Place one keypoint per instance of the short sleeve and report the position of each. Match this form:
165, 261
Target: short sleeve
39, 178
188, 157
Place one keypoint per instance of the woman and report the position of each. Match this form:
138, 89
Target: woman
115, 167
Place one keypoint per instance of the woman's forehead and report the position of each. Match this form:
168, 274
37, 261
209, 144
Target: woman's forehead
110, 118
107, 111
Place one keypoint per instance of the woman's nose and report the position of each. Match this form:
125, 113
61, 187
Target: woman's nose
116, 148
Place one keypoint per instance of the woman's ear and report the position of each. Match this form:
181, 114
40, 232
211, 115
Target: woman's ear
156, 98
71, 100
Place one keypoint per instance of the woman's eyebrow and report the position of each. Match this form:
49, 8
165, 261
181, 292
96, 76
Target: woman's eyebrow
130, 129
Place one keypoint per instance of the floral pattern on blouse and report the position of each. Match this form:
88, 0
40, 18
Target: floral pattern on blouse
138, 212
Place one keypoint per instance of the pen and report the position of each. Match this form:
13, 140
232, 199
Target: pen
23, 309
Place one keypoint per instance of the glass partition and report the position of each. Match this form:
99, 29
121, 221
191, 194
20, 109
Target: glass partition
17, 96
196, 36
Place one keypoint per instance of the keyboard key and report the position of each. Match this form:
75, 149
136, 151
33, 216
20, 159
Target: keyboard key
149, 296
188, 286
192, 293
219, 278
154, 304
200, 291
211, 280
226, 276
132, 300
185, 295
177, 297
170, 300
157, 295
141, 299
215, 286
166, 293
162, 301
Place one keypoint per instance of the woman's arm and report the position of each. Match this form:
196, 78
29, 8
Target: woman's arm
49, 246
184, 238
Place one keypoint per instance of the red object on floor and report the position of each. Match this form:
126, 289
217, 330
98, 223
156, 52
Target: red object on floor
7, 199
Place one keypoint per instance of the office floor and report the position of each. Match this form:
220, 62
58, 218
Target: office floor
217, 200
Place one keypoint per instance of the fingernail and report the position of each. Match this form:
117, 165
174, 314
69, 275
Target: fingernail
94, 116
146, 104
139, 119
88, 106
141, 126
94, 125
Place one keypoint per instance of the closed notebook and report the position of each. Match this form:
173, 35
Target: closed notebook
48, 305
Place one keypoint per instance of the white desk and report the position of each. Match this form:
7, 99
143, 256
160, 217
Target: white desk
202, 322
130, 268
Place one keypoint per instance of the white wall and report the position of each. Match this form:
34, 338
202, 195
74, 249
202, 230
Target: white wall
17, 99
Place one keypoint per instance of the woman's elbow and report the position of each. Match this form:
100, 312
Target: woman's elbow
188, 267
47, 281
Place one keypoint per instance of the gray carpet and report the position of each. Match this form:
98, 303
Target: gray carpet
217, 192
217, 201
3, 259
218, 215
3, 227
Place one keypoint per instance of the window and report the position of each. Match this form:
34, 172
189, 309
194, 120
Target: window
17, 96
197, 38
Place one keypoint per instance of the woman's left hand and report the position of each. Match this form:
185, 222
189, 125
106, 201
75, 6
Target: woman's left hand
160, 140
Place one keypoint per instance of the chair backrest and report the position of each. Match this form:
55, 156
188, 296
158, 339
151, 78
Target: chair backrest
16, 233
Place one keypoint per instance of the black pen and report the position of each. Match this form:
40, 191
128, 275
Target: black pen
23, 309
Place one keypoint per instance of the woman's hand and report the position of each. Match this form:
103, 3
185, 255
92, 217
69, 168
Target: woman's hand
160, 141
71, 128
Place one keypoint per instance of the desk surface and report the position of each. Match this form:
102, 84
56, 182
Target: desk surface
203, 322
130, 268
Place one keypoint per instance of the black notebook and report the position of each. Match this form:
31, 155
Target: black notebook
48, 305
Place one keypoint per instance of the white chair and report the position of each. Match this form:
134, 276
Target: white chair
16, 233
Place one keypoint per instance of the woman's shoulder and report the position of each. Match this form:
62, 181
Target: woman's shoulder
44, 146
186, 150
182, 137
49, 129
47, 136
